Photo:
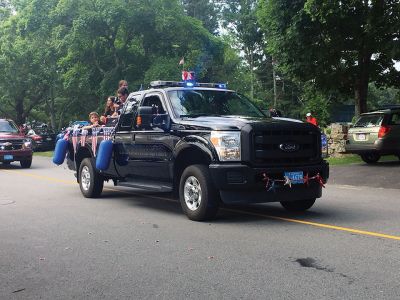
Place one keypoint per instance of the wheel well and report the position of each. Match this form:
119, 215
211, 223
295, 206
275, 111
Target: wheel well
81, 155
189, 156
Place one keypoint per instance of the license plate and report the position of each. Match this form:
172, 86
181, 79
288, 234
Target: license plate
295, 177
8, 157
361, 137
49, 139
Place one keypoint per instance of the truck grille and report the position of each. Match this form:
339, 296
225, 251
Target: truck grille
305, 147
11, 144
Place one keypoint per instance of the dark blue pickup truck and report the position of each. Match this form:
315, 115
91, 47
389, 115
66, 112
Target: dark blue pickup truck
206, 144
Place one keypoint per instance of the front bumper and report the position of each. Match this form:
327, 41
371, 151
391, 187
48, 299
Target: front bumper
17, 155
239, 183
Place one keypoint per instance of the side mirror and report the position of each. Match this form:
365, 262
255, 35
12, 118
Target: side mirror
162, 121
147, 119
144, 117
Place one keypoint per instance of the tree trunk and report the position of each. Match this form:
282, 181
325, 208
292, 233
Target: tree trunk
20, 116
361, 85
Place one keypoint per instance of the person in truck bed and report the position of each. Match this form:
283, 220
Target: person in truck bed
110, 109
94, 119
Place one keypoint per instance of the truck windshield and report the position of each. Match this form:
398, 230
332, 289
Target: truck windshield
195, 103
7, 126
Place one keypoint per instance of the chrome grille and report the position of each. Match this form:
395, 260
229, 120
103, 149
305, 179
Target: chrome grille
11, 144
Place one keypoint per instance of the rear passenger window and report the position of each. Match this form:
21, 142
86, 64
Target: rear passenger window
395, 119
370, 120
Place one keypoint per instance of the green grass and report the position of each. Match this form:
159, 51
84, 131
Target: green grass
348, 159
46, 153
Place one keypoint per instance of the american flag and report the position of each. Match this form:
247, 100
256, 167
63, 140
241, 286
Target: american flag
107, 132
75, 139
83, 137
95, 132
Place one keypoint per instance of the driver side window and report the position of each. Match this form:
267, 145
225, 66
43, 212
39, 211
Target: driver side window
158, 117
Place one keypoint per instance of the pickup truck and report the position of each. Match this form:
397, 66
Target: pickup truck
206, 144
14, 144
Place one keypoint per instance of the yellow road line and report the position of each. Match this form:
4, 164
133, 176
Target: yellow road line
321, 225
362, 232
39, 176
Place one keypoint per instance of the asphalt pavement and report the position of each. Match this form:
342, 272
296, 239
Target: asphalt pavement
379, 175
56, 244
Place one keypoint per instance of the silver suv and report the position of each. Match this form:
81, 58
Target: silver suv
375, 134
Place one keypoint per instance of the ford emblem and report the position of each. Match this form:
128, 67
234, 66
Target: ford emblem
289, 147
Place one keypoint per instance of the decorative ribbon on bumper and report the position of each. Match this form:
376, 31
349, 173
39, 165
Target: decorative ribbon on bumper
272, 184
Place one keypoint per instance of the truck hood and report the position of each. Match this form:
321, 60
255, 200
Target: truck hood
237, 123
11, 136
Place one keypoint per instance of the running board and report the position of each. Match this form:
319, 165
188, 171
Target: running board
147, 185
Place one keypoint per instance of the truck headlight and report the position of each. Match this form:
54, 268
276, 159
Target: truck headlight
227, 144
27, 144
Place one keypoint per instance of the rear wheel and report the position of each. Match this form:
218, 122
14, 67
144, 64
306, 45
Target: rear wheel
26, 164
370, 157
90, 181
300, 205
198, 197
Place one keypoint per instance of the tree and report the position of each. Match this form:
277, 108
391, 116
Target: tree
340, 45
60, 59
240, 19
205, 11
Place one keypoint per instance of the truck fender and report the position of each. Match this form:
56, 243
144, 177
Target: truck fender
196, 142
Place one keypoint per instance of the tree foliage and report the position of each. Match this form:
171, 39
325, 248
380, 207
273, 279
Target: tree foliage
66, 56
340, 45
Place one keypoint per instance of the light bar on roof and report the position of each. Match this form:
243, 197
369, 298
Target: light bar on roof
163, 83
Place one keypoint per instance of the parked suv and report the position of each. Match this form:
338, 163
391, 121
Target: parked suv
14, 145
375, 134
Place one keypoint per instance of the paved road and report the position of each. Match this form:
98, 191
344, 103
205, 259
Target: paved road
379, 175
55, 244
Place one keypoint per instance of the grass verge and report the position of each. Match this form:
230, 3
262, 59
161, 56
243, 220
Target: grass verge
45, 153
349, 159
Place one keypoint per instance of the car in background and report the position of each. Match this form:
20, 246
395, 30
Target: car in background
74, 124
43, 138
14, 144
375, 134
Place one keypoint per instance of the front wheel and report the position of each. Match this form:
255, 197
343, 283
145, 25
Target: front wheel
299, 205
26, 164
198, 197
90, 181
370, 158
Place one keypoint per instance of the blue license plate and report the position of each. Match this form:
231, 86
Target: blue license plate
8, 157
295, 177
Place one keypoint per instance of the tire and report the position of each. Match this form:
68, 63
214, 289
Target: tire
370, 157
300, 205
26, 164
6, 163
90, 181
198, 197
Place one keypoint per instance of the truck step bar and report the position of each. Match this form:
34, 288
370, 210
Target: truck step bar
146, 185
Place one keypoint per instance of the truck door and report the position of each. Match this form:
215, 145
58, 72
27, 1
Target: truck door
125, 137
153, 146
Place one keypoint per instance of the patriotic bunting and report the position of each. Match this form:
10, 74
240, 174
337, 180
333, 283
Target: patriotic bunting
78, 137
272, 184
